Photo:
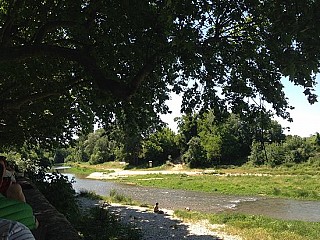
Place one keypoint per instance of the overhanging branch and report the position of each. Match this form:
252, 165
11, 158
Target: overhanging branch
87, 61
49, 26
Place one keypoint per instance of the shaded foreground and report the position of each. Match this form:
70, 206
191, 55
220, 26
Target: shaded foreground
52, 224
162, 226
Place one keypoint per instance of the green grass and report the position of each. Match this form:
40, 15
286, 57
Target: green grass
90, 195
120, 198
297, 187
300, 181
258, 227
252, 227
86, 169
290, 169
114, 197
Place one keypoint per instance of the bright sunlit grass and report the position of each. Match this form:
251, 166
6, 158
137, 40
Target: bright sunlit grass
299, 187
257, 227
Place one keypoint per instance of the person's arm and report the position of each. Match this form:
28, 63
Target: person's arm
17, 211
14, 230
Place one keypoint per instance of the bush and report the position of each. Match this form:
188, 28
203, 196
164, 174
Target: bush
257, 156
195, 156
99, 224
293, 150
159, 146
59, 192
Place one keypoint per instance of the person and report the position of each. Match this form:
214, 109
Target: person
16, 210
10, 172
156, 209
12, 230
9, 187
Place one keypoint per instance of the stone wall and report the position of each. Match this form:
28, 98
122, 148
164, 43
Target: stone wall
52, 224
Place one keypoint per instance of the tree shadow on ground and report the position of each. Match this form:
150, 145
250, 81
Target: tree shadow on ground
159, 226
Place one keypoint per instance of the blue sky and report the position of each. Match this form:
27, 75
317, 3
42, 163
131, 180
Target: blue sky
306, 117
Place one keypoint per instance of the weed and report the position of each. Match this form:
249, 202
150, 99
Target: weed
120, 198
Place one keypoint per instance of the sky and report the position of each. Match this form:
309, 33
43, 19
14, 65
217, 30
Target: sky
306, 117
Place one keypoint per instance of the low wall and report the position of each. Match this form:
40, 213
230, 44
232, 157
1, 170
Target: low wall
52, 224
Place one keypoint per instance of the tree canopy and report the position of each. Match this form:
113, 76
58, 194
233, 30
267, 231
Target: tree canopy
66, 62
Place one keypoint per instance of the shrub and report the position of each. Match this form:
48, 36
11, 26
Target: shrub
59, 192
195, 156
99, 224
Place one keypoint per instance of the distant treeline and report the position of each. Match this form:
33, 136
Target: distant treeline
201, 141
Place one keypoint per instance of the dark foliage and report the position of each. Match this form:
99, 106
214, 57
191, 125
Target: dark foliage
99, 224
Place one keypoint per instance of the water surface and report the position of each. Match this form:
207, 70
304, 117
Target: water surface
207, 202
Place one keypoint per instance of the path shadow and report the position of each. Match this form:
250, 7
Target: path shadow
159, 226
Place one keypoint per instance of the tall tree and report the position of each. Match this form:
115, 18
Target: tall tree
160, 146
65, 62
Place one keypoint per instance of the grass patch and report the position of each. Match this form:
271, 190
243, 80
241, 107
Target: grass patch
296, 187
86, 169
295, 169
120, 198
90, 194
300, 181
114, 197
257, 227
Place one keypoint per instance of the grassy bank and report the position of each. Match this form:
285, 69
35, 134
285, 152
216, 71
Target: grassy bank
287, 186
243, 225
298, 181
86, 169
258, 227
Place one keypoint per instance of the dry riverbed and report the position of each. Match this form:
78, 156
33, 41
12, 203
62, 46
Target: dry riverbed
116, 173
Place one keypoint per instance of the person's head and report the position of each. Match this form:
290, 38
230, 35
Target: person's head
157, 204
3, 160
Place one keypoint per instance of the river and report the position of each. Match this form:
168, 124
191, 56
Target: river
206, 202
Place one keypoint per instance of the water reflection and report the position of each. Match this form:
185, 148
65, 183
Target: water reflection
207, 202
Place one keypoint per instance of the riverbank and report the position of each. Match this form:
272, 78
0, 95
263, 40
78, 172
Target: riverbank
195, 226
247, 226
301, 187
162, 226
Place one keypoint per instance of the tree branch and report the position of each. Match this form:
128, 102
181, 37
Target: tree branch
6, 31
15, 105
142, 74
49, 26
85, 59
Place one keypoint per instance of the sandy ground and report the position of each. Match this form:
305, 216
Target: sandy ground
123, 173
162, 226
176, 170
